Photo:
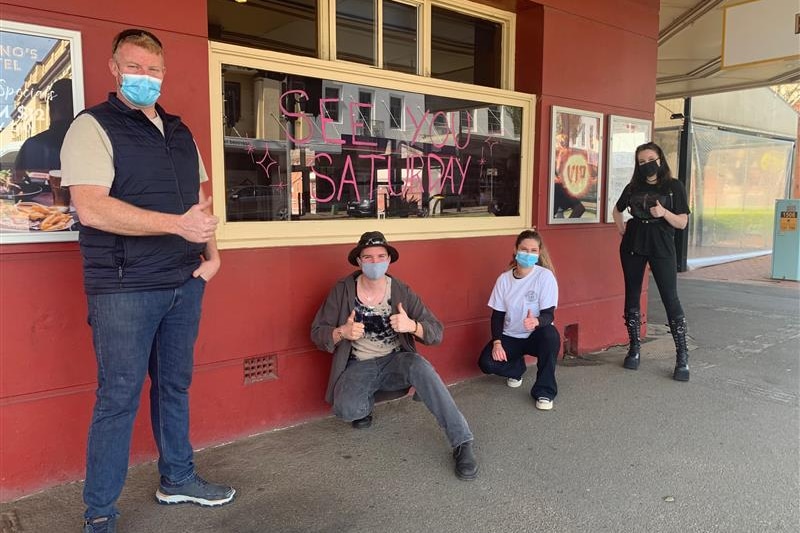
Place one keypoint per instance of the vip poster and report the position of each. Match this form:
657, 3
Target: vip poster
575, 166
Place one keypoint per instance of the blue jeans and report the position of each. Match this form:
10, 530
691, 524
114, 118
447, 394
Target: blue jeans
354, 393
136, 333
543, 343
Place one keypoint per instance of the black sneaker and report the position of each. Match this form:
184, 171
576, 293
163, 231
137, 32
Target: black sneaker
101, 524
195, 490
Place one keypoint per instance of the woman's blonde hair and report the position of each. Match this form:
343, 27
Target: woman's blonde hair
544, 256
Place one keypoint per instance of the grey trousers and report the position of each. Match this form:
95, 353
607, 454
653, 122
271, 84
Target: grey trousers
354, 393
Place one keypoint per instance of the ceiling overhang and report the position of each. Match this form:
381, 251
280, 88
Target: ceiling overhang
690, 63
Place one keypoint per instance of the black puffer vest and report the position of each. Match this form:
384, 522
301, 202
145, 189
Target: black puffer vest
155, 172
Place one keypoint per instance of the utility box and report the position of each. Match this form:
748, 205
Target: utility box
786, 241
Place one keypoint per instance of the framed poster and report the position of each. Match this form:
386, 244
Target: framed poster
625, 134
41, 90
576, 152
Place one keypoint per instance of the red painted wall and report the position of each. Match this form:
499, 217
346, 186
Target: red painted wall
593, 55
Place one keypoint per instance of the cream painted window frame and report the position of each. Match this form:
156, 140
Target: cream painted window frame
506, 19
309, 232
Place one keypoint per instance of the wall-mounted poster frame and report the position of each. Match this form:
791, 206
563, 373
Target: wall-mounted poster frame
624, 134
41, 90
576, 152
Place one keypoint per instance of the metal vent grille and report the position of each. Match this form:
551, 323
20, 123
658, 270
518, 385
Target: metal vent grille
261, 368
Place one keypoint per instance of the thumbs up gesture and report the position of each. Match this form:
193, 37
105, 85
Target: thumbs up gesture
530, 322
352, 330
196, 224
401, 323
657, 210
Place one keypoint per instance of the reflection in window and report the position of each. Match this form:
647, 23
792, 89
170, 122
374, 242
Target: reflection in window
395, 112
355, 31
466, 120
282, 25
364, 124
332, 108
495, 118
287, 159
400, 37
465, 48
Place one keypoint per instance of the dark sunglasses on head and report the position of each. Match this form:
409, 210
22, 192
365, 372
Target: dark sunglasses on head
133, 32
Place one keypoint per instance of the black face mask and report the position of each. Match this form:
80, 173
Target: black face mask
648, 169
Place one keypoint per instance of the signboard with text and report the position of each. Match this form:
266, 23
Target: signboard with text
41, 90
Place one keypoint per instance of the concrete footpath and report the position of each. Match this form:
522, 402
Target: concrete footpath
622, 451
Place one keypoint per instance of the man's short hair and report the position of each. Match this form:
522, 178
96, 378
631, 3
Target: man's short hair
139, 37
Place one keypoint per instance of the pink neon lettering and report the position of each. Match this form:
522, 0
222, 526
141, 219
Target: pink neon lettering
463, 171
431, 133
301, 116
358, 123
348, 165
323, 176
325, 119
469, 130
417, 125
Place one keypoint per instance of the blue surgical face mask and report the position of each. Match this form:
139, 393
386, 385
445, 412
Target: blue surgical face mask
140, 90
526, 260
374, 270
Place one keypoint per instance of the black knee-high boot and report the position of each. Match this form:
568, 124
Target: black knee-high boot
633, 323
678, 328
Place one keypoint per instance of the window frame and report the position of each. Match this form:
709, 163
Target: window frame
507, 20
232, 235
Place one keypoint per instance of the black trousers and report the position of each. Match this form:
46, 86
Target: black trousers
543, 343
665, 272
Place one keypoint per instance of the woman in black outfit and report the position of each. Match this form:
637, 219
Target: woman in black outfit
658, 204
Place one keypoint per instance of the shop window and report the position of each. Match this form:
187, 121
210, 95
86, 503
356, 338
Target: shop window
365, 27
400, 38
470, 43
356, 38
285, 158
465, 48
288, 26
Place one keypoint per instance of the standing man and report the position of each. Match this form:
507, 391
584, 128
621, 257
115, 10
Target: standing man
148, 248
371, 321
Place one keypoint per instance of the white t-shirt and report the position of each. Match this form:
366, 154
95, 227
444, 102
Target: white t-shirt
536, 291
87, 157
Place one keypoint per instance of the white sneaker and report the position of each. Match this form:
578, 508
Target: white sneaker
544, 404
514, 383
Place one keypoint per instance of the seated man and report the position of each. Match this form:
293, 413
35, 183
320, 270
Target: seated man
370, 322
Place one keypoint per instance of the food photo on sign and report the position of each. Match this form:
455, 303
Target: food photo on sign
575, 166
40, 92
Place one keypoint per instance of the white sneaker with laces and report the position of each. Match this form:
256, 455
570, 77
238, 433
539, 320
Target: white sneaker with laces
514, 383
544, 404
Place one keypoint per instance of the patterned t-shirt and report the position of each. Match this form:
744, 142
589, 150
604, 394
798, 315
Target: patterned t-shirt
379, 338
